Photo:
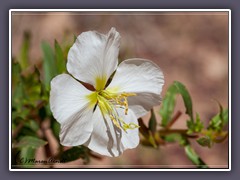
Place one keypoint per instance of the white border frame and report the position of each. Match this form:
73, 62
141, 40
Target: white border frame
119, 10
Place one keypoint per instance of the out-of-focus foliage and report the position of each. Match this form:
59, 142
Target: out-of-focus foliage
205, 137
30, 111
169, 102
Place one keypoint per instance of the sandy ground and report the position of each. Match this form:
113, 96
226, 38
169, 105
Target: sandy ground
189, 47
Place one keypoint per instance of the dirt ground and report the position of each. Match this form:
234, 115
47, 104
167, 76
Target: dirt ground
189, 47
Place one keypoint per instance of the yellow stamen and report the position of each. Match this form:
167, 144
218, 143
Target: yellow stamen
108, 101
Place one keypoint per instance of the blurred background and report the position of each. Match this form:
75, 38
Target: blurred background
190, 47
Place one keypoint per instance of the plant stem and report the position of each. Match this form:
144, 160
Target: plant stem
174, 119
164, 132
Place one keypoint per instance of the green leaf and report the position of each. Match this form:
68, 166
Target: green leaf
27, 156
193, 156
32, 124
73, 154
147, 132
205, 141
33, 89
18, 96
152, 125
60, 61
223, 115
55, 128
152, 140
49, 65
24, 52
195, 127
186, 98
74, 38
26, 131
168, 105
219, 121
16, 74
19, 93
30, 141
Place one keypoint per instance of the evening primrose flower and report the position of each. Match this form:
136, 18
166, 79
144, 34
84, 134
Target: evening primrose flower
103, 118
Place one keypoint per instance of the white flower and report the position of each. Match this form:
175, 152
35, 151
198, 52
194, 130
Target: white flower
104, 120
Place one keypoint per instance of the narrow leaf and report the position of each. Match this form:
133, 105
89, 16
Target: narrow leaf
16, 73
24, 52
186, 98
32, 124
74, 38
27, 156
49, 65
60, 61
30, 141
168, 105
219, 121
55, 128
193, 156
151, 139
224, 117
152, 125
73, 154
18, 96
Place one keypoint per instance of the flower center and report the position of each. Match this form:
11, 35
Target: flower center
108, 101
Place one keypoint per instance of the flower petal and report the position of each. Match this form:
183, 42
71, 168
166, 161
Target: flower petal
138, 75
142, 77
107, 139
94, 57
143, 102
78, 129
70, 108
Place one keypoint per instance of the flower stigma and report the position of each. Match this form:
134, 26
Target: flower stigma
108, 100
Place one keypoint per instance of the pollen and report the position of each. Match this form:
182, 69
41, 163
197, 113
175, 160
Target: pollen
108, 101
